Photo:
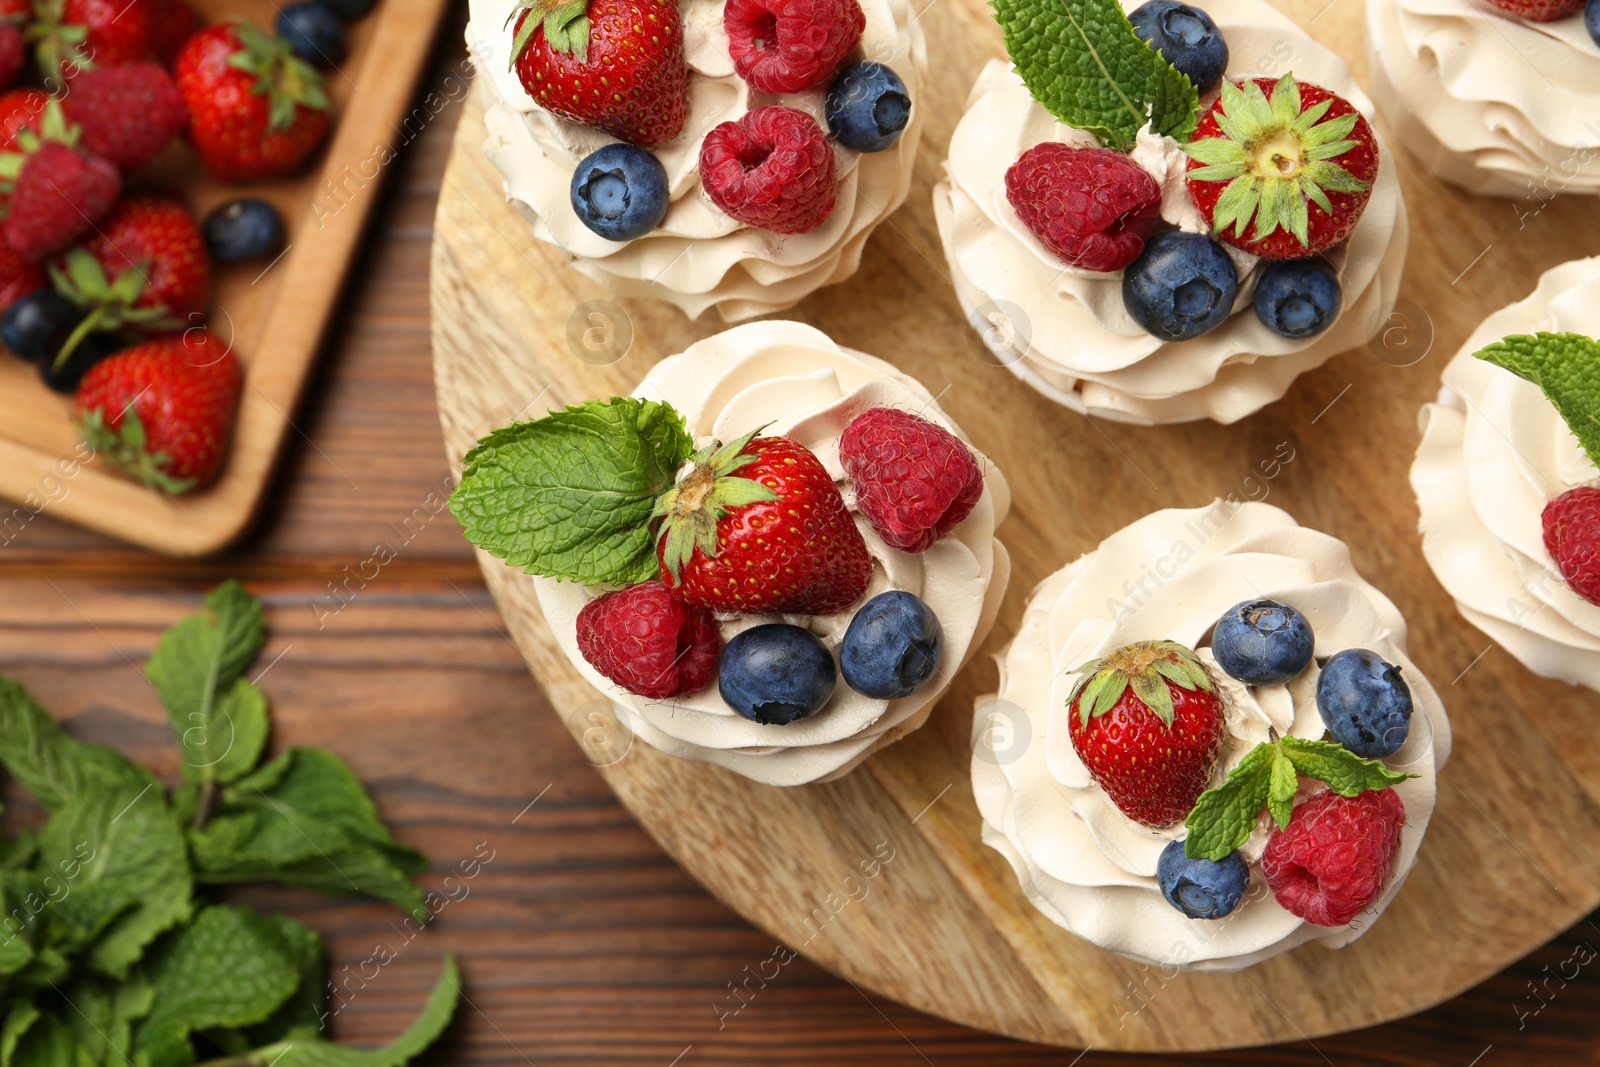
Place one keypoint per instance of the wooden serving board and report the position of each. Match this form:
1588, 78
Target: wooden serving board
274, 313
1510, 859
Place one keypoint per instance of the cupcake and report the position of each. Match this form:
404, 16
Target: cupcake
727, 158
1218, 749
779, 553
1143, 271
1499, 98
1506, 477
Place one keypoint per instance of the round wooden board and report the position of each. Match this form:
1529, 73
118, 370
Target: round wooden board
1510, 859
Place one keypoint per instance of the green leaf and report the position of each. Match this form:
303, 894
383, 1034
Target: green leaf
304, 1012
102, 1015
19, 1018
1566, 366
1082, 61
48, 1042
1285, 784
15, 951
1345, 772
51, 765
1224, 816
570, 495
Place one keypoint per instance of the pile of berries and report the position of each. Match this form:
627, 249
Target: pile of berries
729, 545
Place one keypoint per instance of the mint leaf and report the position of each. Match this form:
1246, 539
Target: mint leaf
1285, 784
570, 495
48, 1042
15, 951
1223, 817
1345, 772
303, 1014
219, 718
103, 1015
1082, 61
1567, 367
51, 765
18, 1020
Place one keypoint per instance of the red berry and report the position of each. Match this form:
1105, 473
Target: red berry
1572, 537
773, 169
78, 35
18, 277
1540, 10
1331, 861
12, 53
915, 481
1092, 207
174, 23
20, 109
128, 114
784, 46
58, 197
647, 640
157, 236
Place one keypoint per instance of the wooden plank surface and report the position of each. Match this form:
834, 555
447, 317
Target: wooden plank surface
582, 943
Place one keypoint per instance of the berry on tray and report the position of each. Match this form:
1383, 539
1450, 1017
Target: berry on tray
1330, 863
620, 192
915, 481
1262, 642
785, 46
249, 228
1202, 888
772, 169
57, 197
1571, 525
38, 324
1539, 10
616, 66
20, 109
313, 33
156, 240
1186, 37
128, 114
1280, 169
1298, 297
1181, 287
892, 647
775, 674
76, 35
62, 374
19, 276
647, 640
1093, 208
1365, 703
867, 107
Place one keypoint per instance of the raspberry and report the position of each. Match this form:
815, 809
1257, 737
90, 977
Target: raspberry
1540, 10
128, 113
1572, 537
1332, 860
1092, 207
784, 46
772, 169
915, 480
58, 197
647, 640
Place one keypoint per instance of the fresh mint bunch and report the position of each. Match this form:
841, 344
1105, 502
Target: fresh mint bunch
1567, 367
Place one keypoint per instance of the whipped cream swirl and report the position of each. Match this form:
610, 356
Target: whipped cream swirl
1171, 575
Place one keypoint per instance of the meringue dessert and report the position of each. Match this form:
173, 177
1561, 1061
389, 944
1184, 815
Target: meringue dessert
1504, 482
1154, 764
1151, 312
810, 140
1488, 99
782, 552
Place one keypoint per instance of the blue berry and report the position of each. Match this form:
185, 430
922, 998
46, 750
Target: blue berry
1181, 286
313, 33
91, 350
243, 229
348, 10
620, 192
38, 324
776, 673
1591, 19
892, 647
1262, 642
1298, 297
1364, 703
1186, 37
1201, 888
868, 107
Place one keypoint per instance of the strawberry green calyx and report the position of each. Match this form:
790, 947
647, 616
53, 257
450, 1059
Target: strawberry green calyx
1275, 159
689, 511
124, 446
58, 44
53, 126
1147, 667
565, 23
108, 305
1566, 366
285, 78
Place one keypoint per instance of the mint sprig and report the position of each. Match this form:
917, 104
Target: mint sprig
1268, 777
1566, 366
570, 495
1082, 61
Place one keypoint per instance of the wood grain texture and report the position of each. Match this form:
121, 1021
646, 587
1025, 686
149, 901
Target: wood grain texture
946, 929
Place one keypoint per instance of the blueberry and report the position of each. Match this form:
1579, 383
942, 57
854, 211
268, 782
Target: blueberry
91, 350
348, 10
1201, 888
620, 192
1364, 703
868, 107
38, 324
1298, 297
776, 673
1182, 285
1591, 19
1262, 642
313, 33
1186, 37
892, 647
243, 229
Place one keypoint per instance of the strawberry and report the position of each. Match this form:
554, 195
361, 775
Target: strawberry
1147, 723
20, 109
617, 65
77, 35
255, 109
128, 114
162, 411
58, 195
12, 52
174, 23
1282, 170
18, 277
759, 527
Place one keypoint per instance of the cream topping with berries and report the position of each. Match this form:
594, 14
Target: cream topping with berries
1494, 452
699, 258
807, 388
1171, 575
1073, 340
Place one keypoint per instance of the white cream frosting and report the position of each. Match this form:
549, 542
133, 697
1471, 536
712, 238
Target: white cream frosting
699, 258
1082, 347
1491, 102
1171, 575
808, 388
1494, 451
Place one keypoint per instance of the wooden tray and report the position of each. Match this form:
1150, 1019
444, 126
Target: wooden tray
275, 314
1509, 861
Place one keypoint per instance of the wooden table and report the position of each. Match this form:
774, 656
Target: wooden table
581, 942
